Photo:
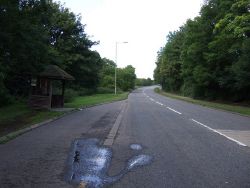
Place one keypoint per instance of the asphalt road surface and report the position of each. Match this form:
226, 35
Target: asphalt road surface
191, 146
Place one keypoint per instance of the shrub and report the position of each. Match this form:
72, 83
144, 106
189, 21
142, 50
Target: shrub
69, 95
86, 91
104, 90
5, 97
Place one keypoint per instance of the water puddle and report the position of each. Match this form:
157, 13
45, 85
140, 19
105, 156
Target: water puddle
89, 163
136, 147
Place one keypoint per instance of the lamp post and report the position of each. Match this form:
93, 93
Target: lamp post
116, 45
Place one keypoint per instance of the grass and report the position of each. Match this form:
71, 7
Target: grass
18, 110
228, 107
84, 101
12, 111
17, 118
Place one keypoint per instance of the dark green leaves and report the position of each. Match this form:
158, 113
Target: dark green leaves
209, 56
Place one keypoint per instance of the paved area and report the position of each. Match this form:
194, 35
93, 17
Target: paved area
185, 154
37, 158
190, 145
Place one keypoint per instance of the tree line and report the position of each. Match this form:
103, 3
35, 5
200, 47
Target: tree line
36, 33
209, 56
144, 82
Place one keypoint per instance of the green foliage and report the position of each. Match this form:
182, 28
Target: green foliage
85, 91
69, 95
104, 90
5, 98
107, 74
36, 33
208, 57
144, 82
126, 78
96, 99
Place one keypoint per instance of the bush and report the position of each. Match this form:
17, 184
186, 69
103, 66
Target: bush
5, 97
104, 90
119, 91
86, 91
69, 95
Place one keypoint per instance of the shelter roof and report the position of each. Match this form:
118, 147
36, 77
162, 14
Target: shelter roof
55, 72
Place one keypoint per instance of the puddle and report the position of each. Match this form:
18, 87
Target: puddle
139, 160
136, 147
89, 163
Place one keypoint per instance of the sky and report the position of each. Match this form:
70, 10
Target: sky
144, 24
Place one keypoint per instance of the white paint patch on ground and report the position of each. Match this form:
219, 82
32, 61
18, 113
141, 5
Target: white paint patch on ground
242, 136
219, 132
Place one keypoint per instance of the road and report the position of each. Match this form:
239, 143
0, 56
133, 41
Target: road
185, 153
190, 145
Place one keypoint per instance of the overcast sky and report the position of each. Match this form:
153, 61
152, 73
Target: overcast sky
144, 24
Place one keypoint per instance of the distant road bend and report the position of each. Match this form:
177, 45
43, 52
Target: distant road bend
190, 145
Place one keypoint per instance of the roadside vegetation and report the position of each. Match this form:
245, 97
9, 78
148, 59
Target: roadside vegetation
38, 33
140, 82
244, 110
48, 33
91, 100
18, 116
209, 56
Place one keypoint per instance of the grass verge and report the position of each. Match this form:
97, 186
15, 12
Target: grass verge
228, 107
18, 118
85, 101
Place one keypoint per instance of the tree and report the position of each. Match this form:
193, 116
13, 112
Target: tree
143, 82
209, 56
126, 78
35, 33
107, 74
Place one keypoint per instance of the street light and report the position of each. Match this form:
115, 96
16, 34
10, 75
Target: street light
116, 45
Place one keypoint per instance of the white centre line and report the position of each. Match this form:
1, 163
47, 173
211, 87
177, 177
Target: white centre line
238, 142
159, 103
163, 105
173, 110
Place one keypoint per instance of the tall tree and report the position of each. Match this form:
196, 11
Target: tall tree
35, 33
107, 74
209, 56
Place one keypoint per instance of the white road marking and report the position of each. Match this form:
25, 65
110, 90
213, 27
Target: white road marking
164, 105
152, 99
238, 142
174, 110
159, 103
